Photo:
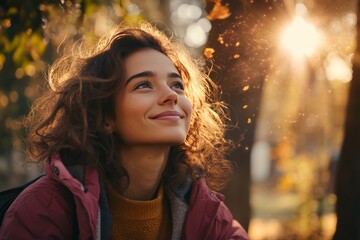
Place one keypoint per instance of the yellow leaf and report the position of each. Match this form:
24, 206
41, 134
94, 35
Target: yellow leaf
246, 88
221, 40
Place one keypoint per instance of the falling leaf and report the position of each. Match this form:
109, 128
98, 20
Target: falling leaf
249, 120
209, 52
246, 88
236, 55
219, 11
237, 44
245, 106
221, 40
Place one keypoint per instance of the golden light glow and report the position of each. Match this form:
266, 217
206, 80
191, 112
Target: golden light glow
301, 38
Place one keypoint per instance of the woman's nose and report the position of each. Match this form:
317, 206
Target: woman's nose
168, 96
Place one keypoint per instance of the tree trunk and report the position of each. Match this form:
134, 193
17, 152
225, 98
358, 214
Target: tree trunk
348, 175
242, 45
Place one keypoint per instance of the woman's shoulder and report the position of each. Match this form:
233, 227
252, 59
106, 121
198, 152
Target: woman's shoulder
44, 192
42, 209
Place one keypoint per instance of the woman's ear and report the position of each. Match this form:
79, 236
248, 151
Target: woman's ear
108, 126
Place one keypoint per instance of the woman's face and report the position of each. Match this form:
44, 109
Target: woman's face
152, 107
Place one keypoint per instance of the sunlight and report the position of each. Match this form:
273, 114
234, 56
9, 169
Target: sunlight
300, 38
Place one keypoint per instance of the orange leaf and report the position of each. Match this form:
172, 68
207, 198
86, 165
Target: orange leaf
209, 52
219, 11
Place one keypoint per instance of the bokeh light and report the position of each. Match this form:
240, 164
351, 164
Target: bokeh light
336, 68
190, 23
189, 12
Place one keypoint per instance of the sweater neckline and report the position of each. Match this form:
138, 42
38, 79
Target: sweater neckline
134, 209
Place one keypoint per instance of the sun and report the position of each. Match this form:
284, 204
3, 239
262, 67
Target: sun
301, 38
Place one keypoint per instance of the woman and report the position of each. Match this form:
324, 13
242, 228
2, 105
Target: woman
130, 137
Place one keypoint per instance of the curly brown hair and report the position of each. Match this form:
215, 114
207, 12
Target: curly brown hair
69, 117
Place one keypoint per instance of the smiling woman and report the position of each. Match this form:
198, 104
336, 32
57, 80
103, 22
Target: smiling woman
132, 140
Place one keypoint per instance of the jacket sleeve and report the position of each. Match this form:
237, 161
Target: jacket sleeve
40, 213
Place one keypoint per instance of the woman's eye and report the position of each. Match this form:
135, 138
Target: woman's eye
142, 85
178, 85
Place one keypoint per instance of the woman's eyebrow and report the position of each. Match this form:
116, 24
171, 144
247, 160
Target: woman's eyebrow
175, 75
151, 74
141, 74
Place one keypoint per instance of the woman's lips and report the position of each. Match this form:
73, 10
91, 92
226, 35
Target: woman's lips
168, 115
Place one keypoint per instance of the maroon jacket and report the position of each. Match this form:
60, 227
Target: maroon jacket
59, 206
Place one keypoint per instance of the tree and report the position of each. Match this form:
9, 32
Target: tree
348, 177
240, 45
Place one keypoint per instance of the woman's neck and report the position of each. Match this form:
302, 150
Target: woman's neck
144, 166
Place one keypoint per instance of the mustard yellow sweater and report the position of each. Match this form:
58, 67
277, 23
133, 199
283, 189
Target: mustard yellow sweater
139, 219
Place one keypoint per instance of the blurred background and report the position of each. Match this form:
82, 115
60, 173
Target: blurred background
287, 70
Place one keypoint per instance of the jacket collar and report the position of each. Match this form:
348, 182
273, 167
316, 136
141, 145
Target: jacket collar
194, 207
203, 207
84, 187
